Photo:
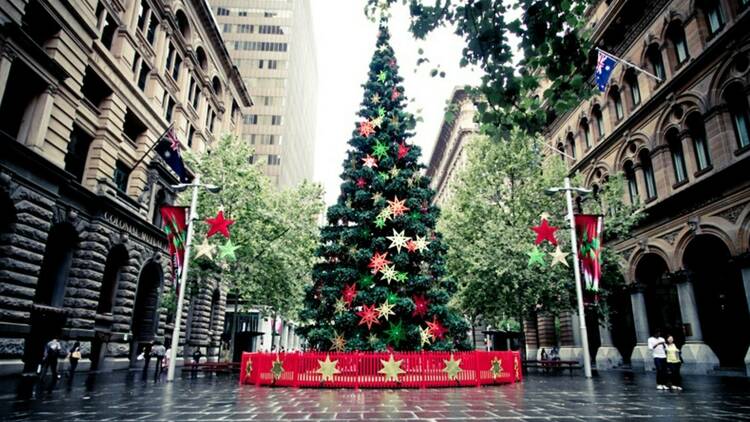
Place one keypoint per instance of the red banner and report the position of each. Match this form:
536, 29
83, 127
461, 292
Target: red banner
380, 369
589, 232
175, 226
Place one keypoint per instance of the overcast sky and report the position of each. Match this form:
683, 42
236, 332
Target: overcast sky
345, 41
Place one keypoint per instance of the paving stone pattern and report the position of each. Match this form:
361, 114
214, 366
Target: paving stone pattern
609, 396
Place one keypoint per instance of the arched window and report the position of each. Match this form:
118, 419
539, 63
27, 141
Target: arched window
632, 183
585, 132
200, 54
678, 156
714, 16
697, 131
631, 79
739, 112
676, 34
599, 120
159, 199
657, 64
213, 321
561, 148
183, 24
648, 173
571, 144
216, 85
614, 95
58, 256
117, 258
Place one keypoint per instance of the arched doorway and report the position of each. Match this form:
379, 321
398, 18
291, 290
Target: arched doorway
662, 303
145, 311
720, 297
116, 260
47, 316
621, 318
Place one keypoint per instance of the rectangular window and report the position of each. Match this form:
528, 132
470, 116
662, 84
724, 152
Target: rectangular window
635, 93
108, 32
170, 56
196, 98
221, 11
121, 176
211, 122
274, 160
586, 135
741, 128
276, 120
151, 33
618, 109
260, 64
251, 119
176, 69
227, 27
701, 152
681, 49
142, 14
678, 162
78, 150
170, 109
143, 76
136, 59
715, 20
272, 64
191, 135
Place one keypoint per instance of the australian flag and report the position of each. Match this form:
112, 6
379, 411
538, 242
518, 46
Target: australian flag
605, 64
168, 148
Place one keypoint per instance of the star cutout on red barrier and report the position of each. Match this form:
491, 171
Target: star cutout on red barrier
402, 150
369, 316
378, 261
366, 129
436, 329
219, 224
420, 306
361, 182
370, 161
545, 232
350, 293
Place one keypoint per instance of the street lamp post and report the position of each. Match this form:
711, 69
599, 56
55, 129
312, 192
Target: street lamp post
576, 269
192, 216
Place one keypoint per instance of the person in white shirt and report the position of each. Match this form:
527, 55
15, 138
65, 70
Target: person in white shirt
658, 347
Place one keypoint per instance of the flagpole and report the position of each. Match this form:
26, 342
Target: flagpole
629, 64
152, 146
183, 280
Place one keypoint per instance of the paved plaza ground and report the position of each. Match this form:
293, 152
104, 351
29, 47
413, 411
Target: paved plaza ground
609, 396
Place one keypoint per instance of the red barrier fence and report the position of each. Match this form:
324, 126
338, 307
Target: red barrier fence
380, 369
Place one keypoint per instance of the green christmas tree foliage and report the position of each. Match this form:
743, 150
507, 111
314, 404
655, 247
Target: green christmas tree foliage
379, 282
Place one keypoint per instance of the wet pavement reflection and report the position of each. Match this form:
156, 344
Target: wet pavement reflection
609, 396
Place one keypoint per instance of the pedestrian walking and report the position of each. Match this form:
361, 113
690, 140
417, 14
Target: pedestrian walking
197, 355
74, 357
146, 356
52, 352
159, 352
658, 347
673, 364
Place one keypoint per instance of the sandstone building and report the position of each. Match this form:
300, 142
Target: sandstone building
86, 87
683, 144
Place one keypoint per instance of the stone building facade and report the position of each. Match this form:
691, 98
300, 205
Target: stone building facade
86, 88
683, 144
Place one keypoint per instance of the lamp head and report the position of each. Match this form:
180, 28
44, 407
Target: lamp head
213, 188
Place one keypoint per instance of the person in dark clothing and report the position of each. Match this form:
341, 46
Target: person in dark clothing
197, 355
52, 352
74, 357
146, 357
159, 352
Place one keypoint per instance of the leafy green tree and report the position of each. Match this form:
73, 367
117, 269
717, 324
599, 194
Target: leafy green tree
380, 280
487, 222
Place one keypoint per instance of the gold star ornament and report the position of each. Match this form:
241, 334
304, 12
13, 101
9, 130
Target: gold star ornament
328, 368
425, 336
452, 367
558, 257
386, 309
391, 369
337, 342
205, 249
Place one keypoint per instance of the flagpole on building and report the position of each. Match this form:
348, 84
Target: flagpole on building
140, 160
577, 271
640, 69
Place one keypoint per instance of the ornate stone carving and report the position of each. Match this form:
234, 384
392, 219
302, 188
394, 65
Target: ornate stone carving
671, 236
733, 213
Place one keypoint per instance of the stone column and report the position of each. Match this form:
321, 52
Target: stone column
688, 153
35, 128
546, 332
641, 356
607, 356
569, 348
697, 356
532, 341
6, 60
746, 283
640, 180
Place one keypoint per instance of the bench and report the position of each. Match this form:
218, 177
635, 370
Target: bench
548, 365
215, 367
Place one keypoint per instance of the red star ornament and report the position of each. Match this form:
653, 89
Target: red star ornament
397, 207
219, 224
436, 329
395, 94
402, 150
392, 63
350, 293
378, 261
411, 246
420, 306
361, 182
366, 129
370, 161
545, 232
369, 316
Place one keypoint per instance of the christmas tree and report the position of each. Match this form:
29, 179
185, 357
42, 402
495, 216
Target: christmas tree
379, 282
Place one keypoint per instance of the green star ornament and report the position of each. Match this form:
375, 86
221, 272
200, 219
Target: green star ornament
366, 281
535, 257
380, 150
227, 251
382, 76
401, 277
396, 333
380, 222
